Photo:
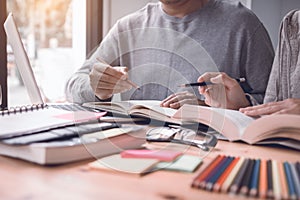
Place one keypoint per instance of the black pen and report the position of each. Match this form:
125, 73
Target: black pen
240, 80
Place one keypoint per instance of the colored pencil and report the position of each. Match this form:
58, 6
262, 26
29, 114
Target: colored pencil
219, 171
289, 179
226, 185
255, 178
296, 179
263, 180
238, 179
215, 169
199, 178
298, 168
284, 187
226, 173
246, 181
270, 179
276, 180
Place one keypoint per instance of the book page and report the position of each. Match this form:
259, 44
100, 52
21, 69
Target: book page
121, 107
240, 120
230, 123
263, 127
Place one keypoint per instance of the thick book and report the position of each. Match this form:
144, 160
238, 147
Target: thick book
94, 145
141, 108
283, 129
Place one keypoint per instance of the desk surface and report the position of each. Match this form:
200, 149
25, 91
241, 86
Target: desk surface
24, 180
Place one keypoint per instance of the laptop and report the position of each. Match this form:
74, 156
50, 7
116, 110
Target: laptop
25, 69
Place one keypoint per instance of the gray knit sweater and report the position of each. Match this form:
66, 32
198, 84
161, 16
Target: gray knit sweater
162, 51
284, 79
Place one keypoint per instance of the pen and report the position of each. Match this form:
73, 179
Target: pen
240, 80
127, 80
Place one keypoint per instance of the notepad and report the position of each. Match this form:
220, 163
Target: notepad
117, 164
185, 163
161, 155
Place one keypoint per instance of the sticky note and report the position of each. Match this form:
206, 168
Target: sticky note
161, 155
115, 163
185, 163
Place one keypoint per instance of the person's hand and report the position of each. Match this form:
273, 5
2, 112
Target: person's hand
178, 99
106, 80
288, 106
225, 92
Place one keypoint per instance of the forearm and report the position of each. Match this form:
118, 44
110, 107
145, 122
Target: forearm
78, 89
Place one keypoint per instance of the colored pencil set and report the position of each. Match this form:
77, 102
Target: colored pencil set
251, 177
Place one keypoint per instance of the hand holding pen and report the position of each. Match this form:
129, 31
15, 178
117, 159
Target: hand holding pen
220, 90
106, 80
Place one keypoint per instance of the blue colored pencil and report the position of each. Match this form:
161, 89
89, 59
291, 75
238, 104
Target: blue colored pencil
296, 179
213, 172
221, 168
290, 181
255, 177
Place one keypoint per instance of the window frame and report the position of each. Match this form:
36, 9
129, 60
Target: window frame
94, 29
3, 55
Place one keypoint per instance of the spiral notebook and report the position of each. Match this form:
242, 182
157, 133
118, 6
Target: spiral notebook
32, 119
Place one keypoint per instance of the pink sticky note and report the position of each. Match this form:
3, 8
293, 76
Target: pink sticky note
81, 116
161, 155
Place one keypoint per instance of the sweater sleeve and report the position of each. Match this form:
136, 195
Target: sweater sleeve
258, 58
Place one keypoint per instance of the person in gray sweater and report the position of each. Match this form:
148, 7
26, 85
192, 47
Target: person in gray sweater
283, 90
173, 42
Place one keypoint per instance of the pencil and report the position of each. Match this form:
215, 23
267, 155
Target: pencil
219, 171
263, 180
212, 173
276, 180
239, 177
232, 175
240, 80
245, 184
199, 178
289, 179
296, 179
284, 187
254, 181
127, 80
270, 179
226, 173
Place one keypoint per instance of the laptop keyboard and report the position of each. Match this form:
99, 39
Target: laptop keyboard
71, 107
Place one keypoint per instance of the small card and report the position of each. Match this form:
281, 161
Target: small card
185, 163
116, 163
161, 155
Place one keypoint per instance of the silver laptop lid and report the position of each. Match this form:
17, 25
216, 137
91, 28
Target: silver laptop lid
22, 61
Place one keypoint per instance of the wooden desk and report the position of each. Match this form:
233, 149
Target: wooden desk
23, 180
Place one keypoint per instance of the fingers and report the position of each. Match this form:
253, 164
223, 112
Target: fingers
178, 99
106, 80
264, 109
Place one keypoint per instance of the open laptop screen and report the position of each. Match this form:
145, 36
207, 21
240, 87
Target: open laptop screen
22, 60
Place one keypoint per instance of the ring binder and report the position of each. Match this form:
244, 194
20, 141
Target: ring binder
22, 109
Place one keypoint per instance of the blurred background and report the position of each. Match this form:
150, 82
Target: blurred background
54, 34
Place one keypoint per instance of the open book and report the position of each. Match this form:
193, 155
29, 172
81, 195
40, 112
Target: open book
272, 129
142, 108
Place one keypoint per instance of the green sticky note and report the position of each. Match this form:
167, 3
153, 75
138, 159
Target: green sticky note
185, 163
